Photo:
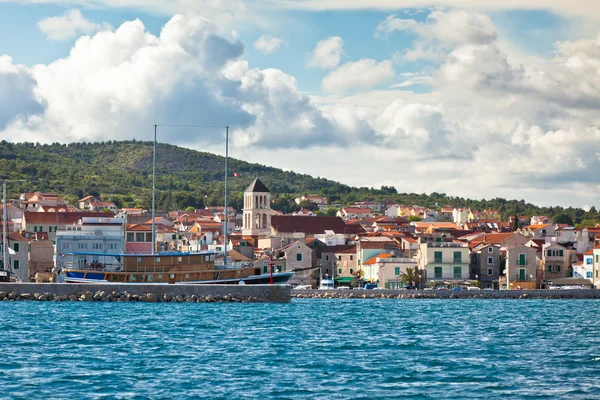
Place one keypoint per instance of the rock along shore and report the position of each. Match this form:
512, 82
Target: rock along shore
445, 294
149, 293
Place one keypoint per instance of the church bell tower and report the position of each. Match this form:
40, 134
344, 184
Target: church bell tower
257, 209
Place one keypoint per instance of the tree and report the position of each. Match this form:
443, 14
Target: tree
190, 209
515, 224
410, 276
331, 212
564, 219
413, 218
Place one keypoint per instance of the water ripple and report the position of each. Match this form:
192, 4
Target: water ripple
338, 349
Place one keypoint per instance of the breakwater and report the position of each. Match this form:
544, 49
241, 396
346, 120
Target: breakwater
446, 294
118, 292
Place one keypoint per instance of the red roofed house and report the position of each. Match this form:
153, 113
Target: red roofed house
30, 201
52, 221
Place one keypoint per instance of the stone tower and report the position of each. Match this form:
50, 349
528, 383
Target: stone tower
257, 209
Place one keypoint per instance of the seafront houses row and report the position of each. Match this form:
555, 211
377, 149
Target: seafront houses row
447, 247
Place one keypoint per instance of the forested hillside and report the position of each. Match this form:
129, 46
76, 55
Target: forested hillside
122, 172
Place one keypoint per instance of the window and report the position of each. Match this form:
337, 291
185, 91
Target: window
588, 274
490, 271
339, 258
299, 257
173, 237
351, 271
179, 259
396, 270
560, 253
490, 260
150, 278
130, 236
16, 247
16, 264
457, 256
437, 256
158, 259
265, 269
351, 258
327, 258
139, 237
339, 271
522, 259
553, 268
589, 261
490, 249
457, 272
139, 259
97, 246
437, 272
549, 253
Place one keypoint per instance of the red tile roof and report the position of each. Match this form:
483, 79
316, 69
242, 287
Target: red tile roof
313, 225
65, 218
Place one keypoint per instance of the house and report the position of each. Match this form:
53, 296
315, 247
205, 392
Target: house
390, 269
522, 268
444, 261
18, 256
487, 264
585, 268
102, 205
319, 200
138, 239
354, 213
540, 220
94, 235
461, 216
557, 261
340, 262
84, 203
538, 230
371, 205
41, 257
298, 256
31, 201
369, 247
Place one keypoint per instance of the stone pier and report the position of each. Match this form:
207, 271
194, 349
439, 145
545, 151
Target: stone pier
447, 294
144, 292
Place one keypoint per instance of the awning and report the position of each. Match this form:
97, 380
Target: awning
572, 281
344, 279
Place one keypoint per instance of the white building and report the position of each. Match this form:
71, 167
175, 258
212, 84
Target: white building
92, 237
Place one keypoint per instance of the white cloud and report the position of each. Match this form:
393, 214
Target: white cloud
267, 44
17, 92
327, 53
362, 75
69, 25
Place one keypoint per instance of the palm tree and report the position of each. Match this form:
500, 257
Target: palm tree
410, 276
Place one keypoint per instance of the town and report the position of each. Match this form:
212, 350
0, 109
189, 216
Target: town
366, 244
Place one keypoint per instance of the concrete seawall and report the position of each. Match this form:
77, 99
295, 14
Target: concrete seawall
448, 294
145, 292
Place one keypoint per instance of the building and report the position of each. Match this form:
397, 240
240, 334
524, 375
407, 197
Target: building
354, 213
31, 201
298, 256
391, 268
522, 268
585, 268
96, 236
41, 257
341, 262
487, 264
257, 210
51, 222
444, 261
18, 256
319, 200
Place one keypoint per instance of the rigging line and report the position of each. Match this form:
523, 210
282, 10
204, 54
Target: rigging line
241, 148
193, 126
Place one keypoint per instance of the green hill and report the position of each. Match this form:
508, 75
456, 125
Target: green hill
122, 172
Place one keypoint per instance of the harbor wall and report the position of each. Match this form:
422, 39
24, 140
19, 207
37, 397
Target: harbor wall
109, 291
448, 294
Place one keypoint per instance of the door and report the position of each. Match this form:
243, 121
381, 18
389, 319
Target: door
522, 274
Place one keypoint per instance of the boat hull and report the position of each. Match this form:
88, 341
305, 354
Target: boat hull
105, 277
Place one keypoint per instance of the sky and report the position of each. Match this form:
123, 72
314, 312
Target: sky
473, 98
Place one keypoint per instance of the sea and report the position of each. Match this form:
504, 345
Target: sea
307, 349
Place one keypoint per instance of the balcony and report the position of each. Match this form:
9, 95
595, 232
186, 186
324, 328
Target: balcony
458, 260
437, 260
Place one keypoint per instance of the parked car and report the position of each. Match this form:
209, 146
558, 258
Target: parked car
473, 288
442, 288
488, 288
370, 286
428, 288
410, 287
343, 288
572, 287
457, 289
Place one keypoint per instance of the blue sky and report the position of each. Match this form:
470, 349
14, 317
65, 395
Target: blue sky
502, 97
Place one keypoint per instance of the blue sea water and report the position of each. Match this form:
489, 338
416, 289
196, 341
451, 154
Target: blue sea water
327, 349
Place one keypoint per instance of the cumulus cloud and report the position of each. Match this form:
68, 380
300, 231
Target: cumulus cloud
362, 75
327, 53
69, 25
267, 44
17, 92
119, 83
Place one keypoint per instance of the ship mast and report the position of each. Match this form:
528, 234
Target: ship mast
4, 234
226, 211
153, 189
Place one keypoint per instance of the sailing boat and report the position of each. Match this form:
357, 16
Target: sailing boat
171, 267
